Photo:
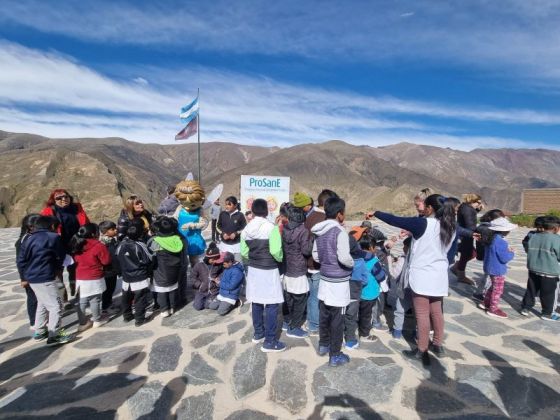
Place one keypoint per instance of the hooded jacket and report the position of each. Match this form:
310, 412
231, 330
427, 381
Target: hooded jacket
206, 278
169, 259
261, 244
91, 261
135, 260
231, 281
332, 250
40, 256
297, 244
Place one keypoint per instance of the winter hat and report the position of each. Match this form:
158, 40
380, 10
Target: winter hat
501, 224
358, 231
165, 226
212, 251
229, 257
301, 200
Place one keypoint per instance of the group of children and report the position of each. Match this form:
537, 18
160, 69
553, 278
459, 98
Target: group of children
358, 277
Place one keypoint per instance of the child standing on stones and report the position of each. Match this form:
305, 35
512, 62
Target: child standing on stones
496, 257
108, 236
261, 245
400, 293
167, 247
332, 250
543, 257
90, 256
296, 245
135, 260
40, 261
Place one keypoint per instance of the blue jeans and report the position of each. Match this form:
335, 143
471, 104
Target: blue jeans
313, 302
264, 320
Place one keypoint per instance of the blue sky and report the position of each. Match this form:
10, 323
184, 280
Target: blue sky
447, 73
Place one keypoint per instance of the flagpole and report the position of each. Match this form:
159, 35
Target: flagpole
198, 131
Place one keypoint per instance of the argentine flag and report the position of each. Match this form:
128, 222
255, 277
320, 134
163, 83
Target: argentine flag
189, 112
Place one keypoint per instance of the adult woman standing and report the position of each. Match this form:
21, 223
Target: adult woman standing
432, 236
133, 209
466, 218
230, 224
70, 215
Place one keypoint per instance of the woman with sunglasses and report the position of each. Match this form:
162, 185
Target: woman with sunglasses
70, 215
134, 209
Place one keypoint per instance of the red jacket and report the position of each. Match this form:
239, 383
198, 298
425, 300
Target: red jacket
89, 264
80, 215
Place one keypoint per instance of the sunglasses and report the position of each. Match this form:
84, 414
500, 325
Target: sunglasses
61, 197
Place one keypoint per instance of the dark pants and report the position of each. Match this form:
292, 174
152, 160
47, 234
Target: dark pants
31, 304
351, 321
545, 287
167, 300
296, 305
264, 320
107, 296
331, 327
214, 231
364, 316
201, 301
223, 308
140, 298
467, 253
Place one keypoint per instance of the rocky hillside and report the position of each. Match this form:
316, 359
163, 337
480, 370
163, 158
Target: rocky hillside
102, 171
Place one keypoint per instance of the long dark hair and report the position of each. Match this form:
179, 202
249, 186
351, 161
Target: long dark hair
445, 213
87, 231
233, 200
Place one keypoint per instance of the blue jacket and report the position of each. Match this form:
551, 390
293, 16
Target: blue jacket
231, 281
40, 257
496, 257
376, 275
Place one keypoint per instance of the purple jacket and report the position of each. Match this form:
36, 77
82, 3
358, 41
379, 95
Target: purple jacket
332, 250
297, 244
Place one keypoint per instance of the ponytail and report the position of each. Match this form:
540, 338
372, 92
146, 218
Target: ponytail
233, 200
78, 241
444, 211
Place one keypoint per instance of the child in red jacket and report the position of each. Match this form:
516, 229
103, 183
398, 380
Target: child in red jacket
91, 256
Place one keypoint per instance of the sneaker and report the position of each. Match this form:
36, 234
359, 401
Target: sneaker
41, 334
285, 325
498, 313
62, 337
524, 312
352, 344
257, 339
338, 360
127, 318
553, 317
397, 334
324, 350
97, 324
274, 347
479, 297
165, 314
140, 322
297, 333
85, 326
379, 327
482, 306
421, 356
437, 350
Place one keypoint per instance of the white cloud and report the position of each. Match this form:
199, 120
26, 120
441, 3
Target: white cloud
507, 37
52, 95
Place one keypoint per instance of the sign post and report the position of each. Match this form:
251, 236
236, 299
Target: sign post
274, 189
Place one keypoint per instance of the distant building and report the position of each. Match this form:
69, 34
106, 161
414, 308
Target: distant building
540, 200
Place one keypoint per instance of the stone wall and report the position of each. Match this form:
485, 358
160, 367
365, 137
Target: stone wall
537, 201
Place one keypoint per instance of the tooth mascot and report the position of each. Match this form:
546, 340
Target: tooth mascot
190, 215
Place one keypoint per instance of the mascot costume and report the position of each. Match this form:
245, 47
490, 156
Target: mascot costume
190, 215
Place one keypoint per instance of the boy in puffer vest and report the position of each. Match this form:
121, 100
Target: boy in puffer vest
332, 250
167, 247
261, 245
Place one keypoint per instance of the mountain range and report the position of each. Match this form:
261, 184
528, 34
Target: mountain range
101, 172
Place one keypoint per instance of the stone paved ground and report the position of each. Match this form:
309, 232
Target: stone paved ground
197, 365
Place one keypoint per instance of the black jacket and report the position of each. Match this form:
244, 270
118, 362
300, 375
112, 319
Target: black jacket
114, 269
168, 266
230, 223
124, 222
40, 256
466, 218
297, 244
135, 260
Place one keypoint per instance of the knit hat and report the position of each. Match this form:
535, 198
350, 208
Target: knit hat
501, 224
301, 200
212, 251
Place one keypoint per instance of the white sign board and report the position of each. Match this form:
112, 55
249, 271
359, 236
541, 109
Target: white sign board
274, 189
